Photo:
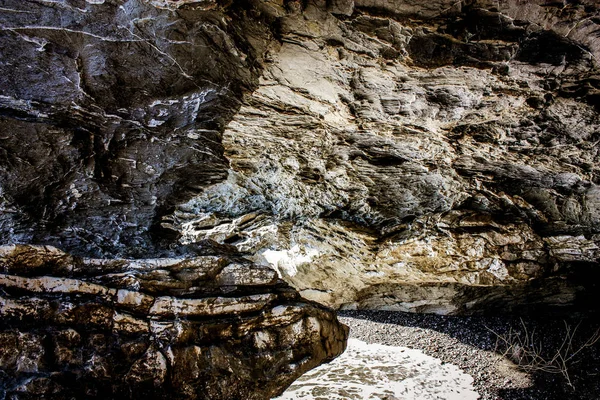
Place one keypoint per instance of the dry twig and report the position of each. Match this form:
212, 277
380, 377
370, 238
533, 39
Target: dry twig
526, 350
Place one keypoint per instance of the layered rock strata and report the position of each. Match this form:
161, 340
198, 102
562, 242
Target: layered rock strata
207, 327
111, 114
438, 157
427, 156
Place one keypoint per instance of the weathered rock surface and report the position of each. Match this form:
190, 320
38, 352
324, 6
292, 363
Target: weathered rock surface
208, 327
426, 156
111, 113
431, 156
421, 156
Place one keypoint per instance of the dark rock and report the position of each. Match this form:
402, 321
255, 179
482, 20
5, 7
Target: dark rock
550, 48
436, 50
121, 106
342, 7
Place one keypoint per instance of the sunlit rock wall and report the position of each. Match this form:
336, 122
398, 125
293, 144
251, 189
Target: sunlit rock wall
438, 157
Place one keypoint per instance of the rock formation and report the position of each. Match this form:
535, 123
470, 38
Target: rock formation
111, 113
436, 156
432, 156
120, 105
204, 327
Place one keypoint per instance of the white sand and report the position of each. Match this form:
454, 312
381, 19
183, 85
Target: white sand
374, 371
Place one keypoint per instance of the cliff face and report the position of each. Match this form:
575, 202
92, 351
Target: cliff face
438, 157
426, 156
111, 114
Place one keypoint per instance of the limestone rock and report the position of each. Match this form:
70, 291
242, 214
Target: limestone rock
367, 149
418, 156
156, 328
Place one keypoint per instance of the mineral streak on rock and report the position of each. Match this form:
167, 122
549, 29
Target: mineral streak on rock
111, 113
160, 329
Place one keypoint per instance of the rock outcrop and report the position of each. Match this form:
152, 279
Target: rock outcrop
111, 113
430, 156
424, 156
435, 156
204, 327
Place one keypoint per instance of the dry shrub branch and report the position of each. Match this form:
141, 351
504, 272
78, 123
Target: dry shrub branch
526, 349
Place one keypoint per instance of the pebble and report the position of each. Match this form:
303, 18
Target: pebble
463, 341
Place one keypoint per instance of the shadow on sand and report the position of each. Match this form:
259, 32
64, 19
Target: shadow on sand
476, 331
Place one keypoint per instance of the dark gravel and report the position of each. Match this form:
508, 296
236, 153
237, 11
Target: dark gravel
469, 343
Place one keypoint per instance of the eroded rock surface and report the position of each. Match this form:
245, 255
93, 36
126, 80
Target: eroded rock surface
433, 156
111, 113
207, 327
421, 156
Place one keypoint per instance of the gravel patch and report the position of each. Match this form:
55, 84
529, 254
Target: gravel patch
468, 343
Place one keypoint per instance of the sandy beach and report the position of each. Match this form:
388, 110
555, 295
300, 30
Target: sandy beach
393, 355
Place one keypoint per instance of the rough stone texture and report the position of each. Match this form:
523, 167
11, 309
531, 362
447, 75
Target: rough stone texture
426, 156
433, 156
418, 156
111, 113
121, 106
207, 327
